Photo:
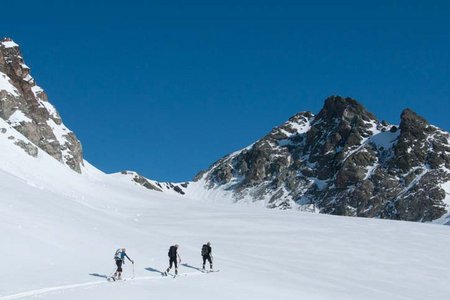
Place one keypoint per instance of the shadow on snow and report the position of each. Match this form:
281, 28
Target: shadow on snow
150, 269
98, 275
191, 267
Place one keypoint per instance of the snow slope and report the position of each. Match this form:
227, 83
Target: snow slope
60, 229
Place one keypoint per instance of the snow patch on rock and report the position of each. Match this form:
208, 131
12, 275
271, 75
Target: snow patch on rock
9, 44
6, 85
18, 117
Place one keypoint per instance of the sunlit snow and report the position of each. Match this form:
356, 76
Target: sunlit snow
60, 230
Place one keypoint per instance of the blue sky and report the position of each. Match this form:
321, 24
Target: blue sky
168, 87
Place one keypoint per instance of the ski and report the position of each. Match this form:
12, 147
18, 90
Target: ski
122, 279
166, 274
175, 275
208, 271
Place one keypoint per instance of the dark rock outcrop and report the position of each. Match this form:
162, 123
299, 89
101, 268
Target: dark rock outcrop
141, 180
155, 185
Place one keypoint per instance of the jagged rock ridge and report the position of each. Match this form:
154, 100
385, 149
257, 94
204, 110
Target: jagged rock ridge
25, 106
342, 161
155, 185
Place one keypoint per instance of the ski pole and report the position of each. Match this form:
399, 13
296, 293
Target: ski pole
133, 270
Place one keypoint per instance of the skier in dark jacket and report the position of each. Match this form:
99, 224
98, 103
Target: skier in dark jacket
119, 257
174, 259
207, 255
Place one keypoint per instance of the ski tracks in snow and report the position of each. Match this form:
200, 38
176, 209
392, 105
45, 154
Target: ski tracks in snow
33, 293
51, 289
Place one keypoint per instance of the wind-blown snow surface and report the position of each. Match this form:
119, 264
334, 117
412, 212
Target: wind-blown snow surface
59, 231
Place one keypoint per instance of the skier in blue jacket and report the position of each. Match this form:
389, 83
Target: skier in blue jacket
119, 257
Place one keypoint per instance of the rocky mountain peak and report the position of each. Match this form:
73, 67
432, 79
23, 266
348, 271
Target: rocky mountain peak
25, 106
412, 123
296, 124
342, 161
336, 107
420, 144
12, 60
342, 125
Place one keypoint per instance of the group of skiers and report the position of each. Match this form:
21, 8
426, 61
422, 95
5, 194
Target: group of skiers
174, 259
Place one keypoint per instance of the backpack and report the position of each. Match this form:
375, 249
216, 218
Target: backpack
172, 251
205, 250
117, 255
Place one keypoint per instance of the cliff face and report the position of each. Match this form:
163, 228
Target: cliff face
25, 106
342, 161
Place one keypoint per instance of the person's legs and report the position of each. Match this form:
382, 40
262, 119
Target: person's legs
172, 261
204, 261
118, 273
210, 262
117, 270
176, 265
170, 264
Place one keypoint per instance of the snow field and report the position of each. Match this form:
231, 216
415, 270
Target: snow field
60, 230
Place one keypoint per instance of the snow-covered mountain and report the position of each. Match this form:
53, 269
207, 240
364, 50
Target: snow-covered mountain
25, 106
342, 161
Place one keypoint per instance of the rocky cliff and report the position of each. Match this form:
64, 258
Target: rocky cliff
25, 106
342, 161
